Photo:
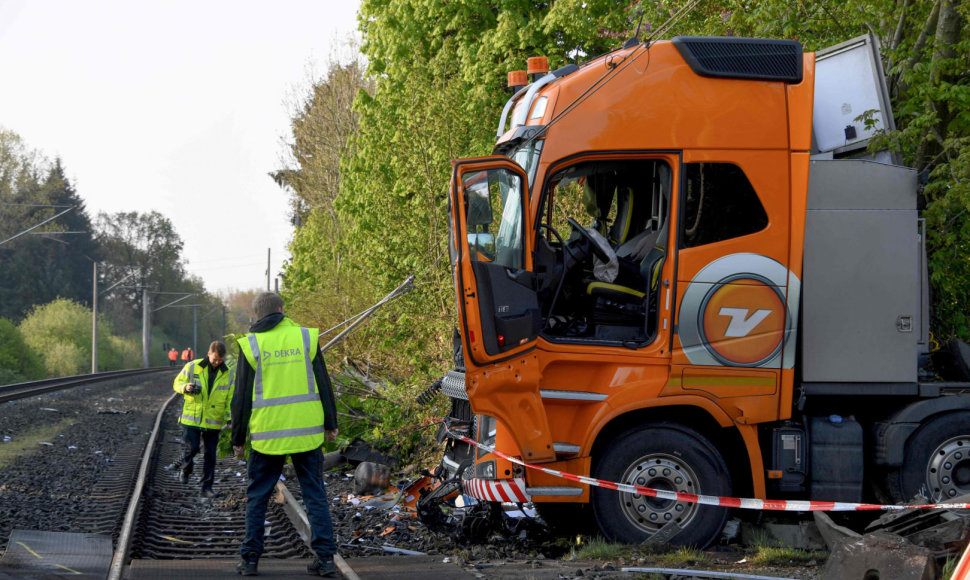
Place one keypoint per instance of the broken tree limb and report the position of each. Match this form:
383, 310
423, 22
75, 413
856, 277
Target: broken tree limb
355, 320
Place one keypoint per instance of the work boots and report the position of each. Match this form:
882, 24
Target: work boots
322, 568
246, 568
184, 475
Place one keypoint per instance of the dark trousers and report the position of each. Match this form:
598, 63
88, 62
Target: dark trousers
264, 472
194, 437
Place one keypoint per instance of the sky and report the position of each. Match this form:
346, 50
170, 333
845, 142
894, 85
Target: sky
179, 107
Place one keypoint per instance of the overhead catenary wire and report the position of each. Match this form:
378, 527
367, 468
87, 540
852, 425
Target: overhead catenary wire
30, 229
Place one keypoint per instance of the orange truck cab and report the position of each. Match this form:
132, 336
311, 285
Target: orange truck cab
668, 275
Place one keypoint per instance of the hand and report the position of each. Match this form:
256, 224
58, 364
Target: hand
331, 434
238, 450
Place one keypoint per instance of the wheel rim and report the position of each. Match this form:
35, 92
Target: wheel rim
948, 471
658, 471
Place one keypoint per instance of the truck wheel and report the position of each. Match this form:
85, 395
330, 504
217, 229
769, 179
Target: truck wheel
936, 461
669, 457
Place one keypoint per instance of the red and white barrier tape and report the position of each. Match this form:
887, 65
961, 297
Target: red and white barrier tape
731, 502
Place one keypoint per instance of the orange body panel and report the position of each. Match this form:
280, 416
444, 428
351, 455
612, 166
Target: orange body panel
658, 106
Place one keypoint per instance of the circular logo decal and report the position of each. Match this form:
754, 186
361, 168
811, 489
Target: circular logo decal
735, 313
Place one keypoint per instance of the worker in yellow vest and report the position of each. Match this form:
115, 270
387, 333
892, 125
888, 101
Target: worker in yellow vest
284, 399
207, 387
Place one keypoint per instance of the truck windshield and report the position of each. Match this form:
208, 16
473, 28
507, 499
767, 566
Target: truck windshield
527, 156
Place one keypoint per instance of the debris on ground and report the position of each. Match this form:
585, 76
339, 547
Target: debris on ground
880, 555
898, 544
370, 477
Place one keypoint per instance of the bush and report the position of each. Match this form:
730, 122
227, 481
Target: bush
16, 358
61, 332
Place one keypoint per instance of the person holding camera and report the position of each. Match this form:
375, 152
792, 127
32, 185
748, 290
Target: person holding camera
207, 386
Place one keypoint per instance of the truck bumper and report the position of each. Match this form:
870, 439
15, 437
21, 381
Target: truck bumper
500, 490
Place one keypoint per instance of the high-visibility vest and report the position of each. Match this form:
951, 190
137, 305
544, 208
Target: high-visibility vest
173, 354
185, 354
209, 410
287, 414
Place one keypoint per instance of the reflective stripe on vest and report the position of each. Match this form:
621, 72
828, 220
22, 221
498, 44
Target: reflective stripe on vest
258, 400
283, 433
191, 418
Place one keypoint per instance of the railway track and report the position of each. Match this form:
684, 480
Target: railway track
29, 389
168, 520
138, 521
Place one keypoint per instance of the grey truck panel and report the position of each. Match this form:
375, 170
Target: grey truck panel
861, 315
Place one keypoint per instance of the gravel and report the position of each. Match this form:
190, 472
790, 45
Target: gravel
45, 487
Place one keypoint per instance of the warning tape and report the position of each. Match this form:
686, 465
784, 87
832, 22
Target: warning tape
729, 502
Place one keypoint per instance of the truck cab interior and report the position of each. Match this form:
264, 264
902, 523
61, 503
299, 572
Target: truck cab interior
600, 248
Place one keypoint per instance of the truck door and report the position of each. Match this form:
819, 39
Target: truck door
492, 258
739, 302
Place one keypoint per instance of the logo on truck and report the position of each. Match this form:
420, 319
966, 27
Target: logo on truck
739, 311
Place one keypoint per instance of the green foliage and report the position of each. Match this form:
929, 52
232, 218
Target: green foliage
16, 358
60, 332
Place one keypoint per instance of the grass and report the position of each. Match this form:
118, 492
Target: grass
600, 549
948, 567
682, 556
27, 442
782, 556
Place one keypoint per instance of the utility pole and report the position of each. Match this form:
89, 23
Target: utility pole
195, 328
94, 321
223, 321
267, 268
145, 321
276, 285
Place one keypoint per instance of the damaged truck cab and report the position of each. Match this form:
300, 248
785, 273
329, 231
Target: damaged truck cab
663, 279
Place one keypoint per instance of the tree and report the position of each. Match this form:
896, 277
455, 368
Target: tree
41, 265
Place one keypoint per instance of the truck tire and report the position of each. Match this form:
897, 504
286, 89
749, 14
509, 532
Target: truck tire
662, 456
936, 461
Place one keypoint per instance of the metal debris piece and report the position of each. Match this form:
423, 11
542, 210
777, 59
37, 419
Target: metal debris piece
371, 478
690, 573
942, 531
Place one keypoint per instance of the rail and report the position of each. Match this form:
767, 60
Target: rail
128, 526
28, 389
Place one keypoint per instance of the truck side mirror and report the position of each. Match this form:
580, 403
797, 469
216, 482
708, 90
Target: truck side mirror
482, 246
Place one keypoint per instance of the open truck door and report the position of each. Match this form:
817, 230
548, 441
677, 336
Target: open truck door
491, 242
493, 259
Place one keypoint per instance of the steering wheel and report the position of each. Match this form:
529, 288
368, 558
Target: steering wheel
592, 243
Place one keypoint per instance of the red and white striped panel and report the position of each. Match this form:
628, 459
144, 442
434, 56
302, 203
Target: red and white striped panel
501, 490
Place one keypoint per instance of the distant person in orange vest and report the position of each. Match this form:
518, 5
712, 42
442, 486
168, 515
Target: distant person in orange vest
185, 354
173, 356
